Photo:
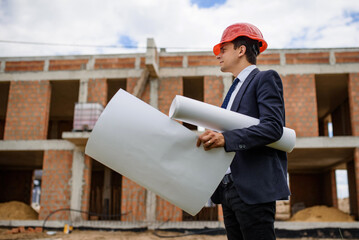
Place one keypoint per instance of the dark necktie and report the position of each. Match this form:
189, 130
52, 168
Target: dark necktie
229, 93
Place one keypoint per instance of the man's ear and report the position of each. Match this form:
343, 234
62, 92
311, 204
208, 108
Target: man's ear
242, 50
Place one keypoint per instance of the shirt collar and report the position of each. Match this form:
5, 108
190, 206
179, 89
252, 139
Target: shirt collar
245, 72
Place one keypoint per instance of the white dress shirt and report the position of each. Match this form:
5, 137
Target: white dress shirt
242, 77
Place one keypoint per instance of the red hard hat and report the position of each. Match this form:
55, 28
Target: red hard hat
241, 29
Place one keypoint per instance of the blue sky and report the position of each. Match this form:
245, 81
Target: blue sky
106, 26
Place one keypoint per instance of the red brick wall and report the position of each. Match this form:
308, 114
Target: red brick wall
67, 64
301, 104
55, 187
113, 63
171, 61
356, 168
346, 57
213, 90
307, 58
168, 89
133, 201
146, 94
353, 88
28, 109
198, 61
166, 211
353, 180
97, 91
22, 66
131, 83
268, 59
86, 187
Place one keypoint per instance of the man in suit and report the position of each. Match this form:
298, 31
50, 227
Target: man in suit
257, 176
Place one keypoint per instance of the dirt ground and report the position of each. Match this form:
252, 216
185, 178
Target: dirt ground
107, 235
119, 235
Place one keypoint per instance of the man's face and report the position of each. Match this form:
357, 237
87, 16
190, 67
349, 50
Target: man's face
228, 57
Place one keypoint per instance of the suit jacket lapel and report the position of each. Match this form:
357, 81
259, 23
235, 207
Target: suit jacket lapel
238, 98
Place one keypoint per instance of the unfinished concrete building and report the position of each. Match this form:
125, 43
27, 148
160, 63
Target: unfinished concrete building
38, 140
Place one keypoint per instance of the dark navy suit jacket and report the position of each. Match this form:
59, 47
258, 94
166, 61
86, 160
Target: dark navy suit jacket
259, 172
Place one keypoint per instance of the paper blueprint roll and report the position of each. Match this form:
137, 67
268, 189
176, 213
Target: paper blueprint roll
212, 117
146, 146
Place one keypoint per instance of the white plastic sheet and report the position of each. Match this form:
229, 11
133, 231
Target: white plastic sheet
219, 119
148, 147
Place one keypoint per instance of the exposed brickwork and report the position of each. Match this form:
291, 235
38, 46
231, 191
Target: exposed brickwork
112, 63
28, 110
23, 66
131, 84
356, 183
171, 61
353, 88
268, 59
56, 188
213, 90
146, 94
196, 61
300, 104
168, 89
167, 211
333, 191
307, 58
97, 91
68, 64
143, 62
86, 187
347, 57
133, 201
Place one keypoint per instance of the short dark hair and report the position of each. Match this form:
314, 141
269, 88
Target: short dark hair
252, 48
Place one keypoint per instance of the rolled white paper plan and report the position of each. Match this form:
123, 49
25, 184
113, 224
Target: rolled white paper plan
215, 118
146, 146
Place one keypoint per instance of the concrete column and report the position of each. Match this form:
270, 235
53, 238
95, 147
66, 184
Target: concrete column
154, 92
332, 59
78, 166
282, 58
185, 61
151, 197
46, 65
2, 66
83, 91
138, 63
91, 63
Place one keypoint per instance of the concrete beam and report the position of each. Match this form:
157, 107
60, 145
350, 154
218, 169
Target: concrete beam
152, 58
70, 75
77, 138
281, 69
326, 142
35, 145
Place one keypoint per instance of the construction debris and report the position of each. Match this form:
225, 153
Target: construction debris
321, 214
15, 210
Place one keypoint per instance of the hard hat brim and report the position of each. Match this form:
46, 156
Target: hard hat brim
217, 47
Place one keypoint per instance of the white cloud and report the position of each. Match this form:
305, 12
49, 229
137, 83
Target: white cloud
172, 23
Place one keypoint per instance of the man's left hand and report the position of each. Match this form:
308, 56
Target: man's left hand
211, 139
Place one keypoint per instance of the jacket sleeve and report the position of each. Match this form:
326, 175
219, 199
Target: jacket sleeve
270, 104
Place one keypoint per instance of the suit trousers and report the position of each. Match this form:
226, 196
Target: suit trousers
246, 221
